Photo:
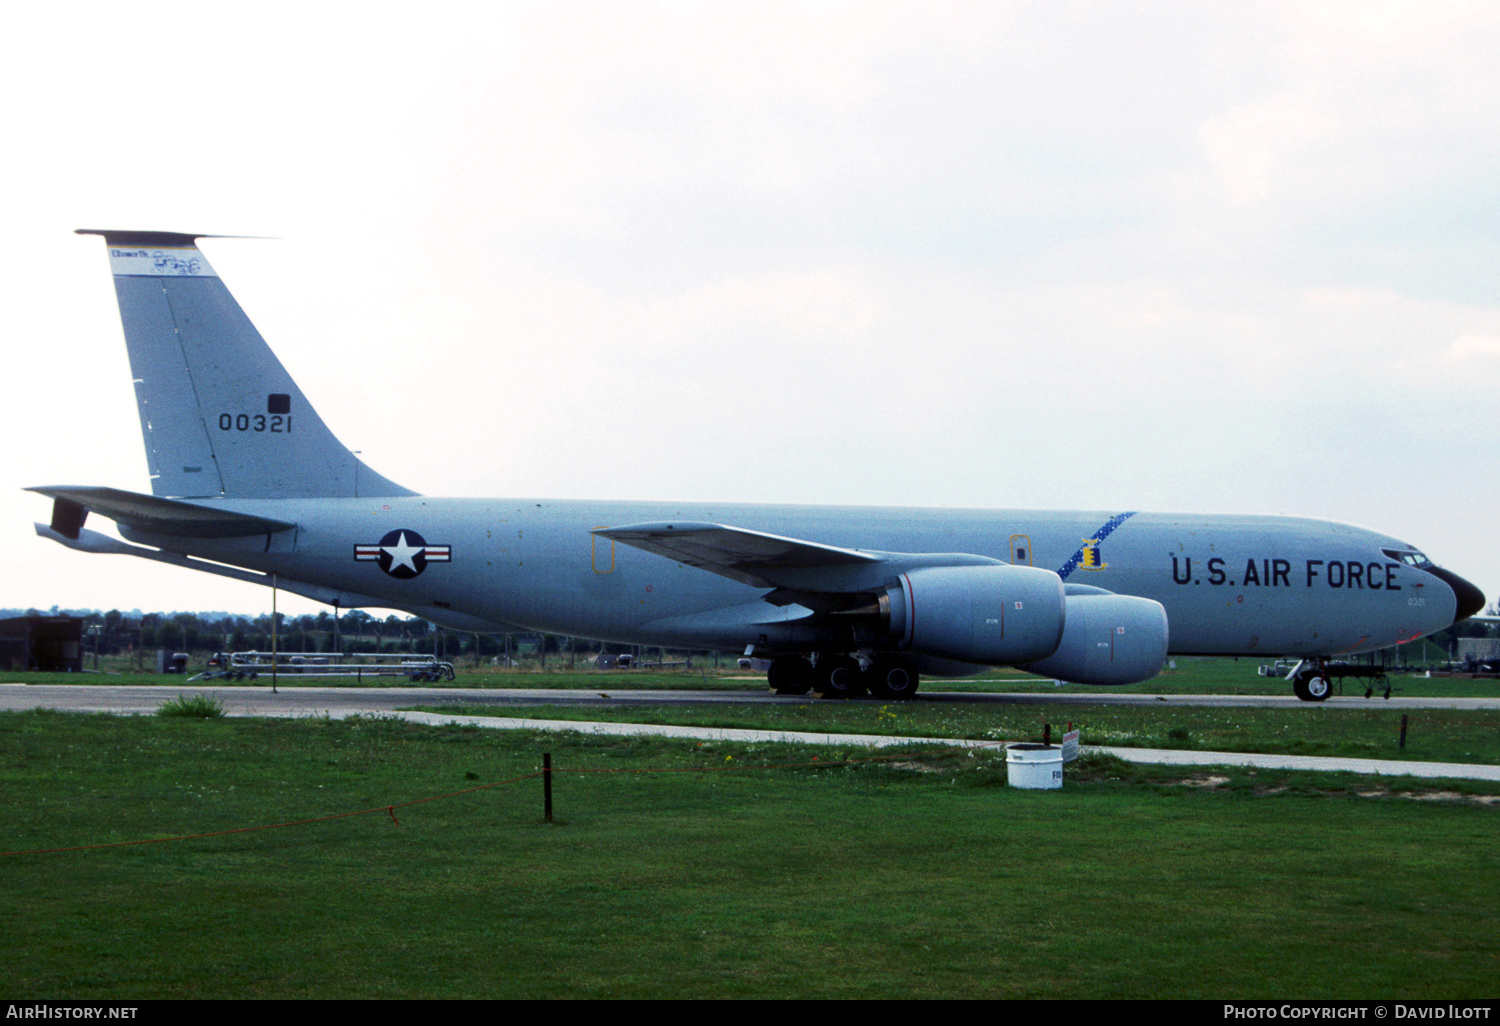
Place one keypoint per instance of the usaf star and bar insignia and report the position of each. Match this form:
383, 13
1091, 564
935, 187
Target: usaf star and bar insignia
403, 554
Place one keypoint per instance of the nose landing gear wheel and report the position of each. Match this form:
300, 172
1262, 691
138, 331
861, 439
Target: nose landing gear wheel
1312, 686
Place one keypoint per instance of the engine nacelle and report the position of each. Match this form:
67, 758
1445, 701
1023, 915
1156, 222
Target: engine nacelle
998, 615
1108, 639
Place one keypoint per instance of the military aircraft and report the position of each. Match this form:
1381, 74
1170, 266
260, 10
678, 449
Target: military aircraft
248, 482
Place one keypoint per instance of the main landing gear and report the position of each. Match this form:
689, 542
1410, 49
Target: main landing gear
790, 675
836, 675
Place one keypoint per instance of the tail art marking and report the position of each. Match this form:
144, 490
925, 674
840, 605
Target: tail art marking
158, 262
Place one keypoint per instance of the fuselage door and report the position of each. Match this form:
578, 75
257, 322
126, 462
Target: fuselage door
1020, 549
603, 553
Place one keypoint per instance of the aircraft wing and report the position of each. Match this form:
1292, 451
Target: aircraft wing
794, 566
152, 514
750, 557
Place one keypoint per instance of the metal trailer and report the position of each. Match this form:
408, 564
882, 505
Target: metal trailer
252, 665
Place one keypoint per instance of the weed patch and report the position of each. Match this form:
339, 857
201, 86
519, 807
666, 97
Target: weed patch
199, 707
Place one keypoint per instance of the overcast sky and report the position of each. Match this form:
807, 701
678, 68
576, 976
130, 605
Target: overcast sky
1136, 256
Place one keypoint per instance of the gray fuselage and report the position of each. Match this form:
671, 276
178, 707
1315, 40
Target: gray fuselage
1232, 585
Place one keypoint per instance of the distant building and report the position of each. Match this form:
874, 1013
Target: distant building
1471, 651
49, 643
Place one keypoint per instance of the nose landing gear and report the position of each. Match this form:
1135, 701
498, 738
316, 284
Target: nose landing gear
1312, 684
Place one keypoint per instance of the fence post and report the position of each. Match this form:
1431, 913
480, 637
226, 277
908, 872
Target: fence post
547, 787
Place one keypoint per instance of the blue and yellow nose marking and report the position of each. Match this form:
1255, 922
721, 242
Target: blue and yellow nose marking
1088, 555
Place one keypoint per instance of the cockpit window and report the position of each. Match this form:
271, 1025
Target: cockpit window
1411, 557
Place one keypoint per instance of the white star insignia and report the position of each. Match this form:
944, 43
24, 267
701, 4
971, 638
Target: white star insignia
402, 554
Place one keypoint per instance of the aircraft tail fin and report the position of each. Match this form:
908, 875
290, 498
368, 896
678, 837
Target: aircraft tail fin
221, 416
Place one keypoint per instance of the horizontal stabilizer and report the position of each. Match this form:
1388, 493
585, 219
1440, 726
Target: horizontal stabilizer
102, 544
92, 542
156, 515
749, 557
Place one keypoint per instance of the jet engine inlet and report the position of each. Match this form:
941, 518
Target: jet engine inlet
1109, 639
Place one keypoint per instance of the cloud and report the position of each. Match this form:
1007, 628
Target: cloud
1482, 346
1255, 146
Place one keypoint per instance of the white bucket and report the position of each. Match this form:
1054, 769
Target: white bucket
1039, 767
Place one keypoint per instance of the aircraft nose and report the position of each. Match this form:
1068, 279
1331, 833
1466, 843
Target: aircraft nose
1467, 599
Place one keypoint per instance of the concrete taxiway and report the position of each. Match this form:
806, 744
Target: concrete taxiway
293, 699
294, 702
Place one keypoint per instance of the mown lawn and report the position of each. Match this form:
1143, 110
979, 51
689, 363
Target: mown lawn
682, 870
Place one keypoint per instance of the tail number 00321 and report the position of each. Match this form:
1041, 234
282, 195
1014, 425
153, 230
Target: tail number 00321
276, 423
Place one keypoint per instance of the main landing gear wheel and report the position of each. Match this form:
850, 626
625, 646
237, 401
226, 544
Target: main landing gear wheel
790, 675
1312, 686
839, 677
895, 678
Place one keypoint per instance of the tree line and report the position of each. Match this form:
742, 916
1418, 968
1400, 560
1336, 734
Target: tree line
116, 633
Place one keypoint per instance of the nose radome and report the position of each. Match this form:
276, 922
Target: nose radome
1467, 599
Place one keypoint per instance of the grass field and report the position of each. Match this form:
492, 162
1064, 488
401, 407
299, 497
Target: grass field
767, 871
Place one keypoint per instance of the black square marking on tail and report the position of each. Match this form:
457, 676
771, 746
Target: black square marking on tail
278, 402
